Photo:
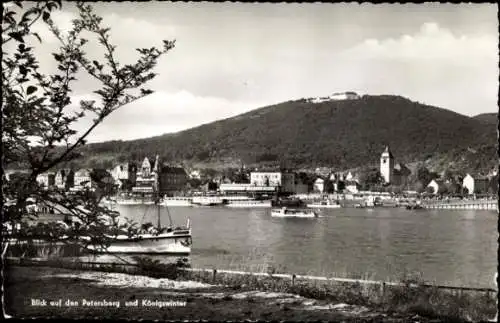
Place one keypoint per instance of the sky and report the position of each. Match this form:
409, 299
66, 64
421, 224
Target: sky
230, 58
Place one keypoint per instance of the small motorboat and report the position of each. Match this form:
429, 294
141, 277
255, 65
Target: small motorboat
285, 212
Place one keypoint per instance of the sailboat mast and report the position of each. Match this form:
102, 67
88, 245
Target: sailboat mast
158, 211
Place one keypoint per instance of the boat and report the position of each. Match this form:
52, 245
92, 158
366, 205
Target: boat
285, 212
128, 201
157, 240
177, 201
249, 203
326, 204
207, 200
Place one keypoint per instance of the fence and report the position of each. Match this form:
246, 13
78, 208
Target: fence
131, 268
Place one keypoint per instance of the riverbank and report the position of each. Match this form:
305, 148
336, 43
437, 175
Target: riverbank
159, 299
223, 299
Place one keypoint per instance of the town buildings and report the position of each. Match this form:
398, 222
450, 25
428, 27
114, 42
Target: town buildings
46, 180
65, 179
146, 182
172, 179
82, 180
124, 175
284, 180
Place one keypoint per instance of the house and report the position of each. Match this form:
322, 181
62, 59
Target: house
46, 179
436, 184
319, 185
124, 174
475, 185
400, 173
172, 179
195, 174
352, 186
82, 179
65, 178
284, 180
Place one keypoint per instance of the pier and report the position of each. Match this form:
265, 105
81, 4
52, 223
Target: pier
462, 205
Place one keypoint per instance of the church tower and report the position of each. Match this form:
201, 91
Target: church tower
387, 165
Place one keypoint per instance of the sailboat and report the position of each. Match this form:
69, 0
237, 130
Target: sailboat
163, 241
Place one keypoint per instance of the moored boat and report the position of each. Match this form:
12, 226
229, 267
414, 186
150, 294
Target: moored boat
326, 204
168, 241
249, 204
285, 212
177, 201
207, 200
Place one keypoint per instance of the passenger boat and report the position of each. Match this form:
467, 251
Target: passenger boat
249, 204
327, 204
177, 201
207, 200
285, 212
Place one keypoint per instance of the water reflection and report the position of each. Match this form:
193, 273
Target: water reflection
446, 246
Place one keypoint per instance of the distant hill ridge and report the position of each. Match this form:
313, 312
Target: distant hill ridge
335, 133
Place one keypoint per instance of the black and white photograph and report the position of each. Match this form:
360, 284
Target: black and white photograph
233, 161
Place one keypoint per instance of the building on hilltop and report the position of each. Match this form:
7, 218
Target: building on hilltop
338, 96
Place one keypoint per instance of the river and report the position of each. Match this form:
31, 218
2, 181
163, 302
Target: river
452, 247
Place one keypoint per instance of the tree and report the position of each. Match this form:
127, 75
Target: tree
442, 190
429, 190
38, 125
419, 187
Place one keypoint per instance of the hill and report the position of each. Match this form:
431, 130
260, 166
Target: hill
340, 134
487, 118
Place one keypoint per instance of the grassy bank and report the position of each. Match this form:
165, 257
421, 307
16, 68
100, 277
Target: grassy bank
413, 297
410, 299
23, 284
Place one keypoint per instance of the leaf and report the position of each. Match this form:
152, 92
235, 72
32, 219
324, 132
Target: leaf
31, 89
46, 16
37, 36
17, 36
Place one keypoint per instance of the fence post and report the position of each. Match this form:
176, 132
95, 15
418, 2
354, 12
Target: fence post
213, 275
383, 289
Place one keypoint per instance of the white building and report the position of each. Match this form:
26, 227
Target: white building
319, 185
82, 179
435, 186
285, 180
475, 185
352, 187
46, 179
335, 97
387, 165
195, 174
